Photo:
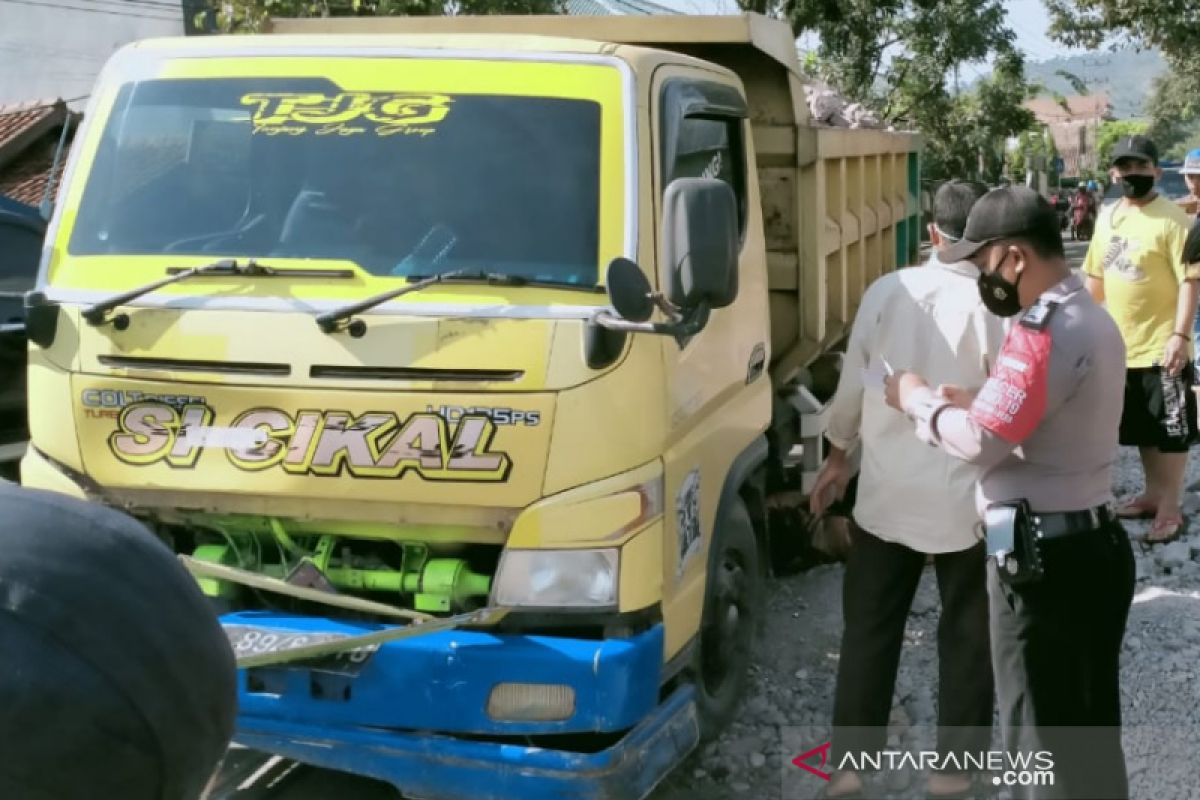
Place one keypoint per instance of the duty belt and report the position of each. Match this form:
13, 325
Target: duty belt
1065, 523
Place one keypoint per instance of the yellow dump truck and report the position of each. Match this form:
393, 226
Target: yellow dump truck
459, 360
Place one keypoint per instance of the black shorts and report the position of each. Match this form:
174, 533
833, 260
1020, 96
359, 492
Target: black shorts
1160, 409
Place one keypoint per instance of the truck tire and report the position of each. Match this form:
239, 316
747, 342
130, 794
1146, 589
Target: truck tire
733, 608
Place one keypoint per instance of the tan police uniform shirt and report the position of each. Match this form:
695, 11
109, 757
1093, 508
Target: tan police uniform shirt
1045, 426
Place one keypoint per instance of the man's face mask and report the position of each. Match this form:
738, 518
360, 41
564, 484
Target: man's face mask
1135, 187
1136, 178
998, 295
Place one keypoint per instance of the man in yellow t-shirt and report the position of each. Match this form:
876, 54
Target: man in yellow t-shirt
1135, 265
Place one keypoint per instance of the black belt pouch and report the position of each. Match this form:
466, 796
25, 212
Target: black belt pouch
1012, 541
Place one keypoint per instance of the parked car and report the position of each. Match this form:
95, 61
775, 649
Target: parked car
21, 233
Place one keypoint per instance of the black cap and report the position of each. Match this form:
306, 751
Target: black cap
1139, 147
1011, 212
104, 630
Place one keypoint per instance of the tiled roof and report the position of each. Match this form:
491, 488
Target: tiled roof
605, 8
19, 121
26, 179
29, 135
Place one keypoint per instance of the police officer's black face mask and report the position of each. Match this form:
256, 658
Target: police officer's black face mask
999, 296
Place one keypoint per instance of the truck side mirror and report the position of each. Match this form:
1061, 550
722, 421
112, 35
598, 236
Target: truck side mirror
700, 249
629, 291
41, 319
700, 243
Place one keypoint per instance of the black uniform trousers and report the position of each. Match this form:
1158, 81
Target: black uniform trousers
1056, 646
877, 592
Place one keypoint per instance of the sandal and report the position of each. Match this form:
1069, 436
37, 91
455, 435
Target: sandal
1166, 530
1137, 508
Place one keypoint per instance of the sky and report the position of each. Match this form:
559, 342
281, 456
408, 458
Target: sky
1027, 18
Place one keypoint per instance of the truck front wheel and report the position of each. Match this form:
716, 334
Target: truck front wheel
733, 607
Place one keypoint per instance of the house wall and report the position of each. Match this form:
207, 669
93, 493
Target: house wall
1077, 145
57, 47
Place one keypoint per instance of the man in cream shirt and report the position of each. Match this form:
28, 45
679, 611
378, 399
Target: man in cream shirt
912, 501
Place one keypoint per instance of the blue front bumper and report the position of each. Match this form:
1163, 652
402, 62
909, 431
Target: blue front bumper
442, 681
435, 767
415, 714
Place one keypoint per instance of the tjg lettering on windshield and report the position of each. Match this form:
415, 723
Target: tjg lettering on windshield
346, 113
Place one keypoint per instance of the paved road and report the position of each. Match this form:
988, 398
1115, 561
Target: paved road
262, 777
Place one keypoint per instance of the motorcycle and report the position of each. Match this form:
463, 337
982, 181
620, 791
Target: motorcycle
1083, 218
1062, 207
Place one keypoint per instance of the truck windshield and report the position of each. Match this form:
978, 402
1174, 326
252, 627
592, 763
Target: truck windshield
400, 184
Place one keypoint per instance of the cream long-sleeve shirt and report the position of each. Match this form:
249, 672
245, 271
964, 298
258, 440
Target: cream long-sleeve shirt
928, 320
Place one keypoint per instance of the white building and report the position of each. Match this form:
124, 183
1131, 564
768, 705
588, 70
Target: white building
55, 48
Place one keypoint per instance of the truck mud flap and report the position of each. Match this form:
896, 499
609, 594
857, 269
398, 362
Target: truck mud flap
426, 766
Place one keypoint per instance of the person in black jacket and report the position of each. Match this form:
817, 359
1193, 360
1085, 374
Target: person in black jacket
117, 679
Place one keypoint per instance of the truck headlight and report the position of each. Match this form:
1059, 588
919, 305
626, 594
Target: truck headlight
557, 578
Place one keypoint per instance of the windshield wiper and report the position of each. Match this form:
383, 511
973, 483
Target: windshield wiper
336, 320
503, 279
98, 314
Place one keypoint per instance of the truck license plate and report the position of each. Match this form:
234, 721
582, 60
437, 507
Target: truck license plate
248, 640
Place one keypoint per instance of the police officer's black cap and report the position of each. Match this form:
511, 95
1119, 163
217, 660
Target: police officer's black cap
1139, 148
1012, 212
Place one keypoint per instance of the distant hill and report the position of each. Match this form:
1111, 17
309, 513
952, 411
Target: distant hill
1126, 76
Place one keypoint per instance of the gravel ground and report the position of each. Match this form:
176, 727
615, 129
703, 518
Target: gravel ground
794, 682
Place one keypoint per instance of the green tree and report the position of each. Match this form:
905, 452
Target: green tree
895, 54
1078, 84
1035, 149
1172, 25
1113, 130
1174, 106
902, 59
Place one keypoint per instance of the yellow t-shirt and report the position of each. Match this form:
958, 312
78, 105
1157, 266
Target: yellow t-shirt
1138, 253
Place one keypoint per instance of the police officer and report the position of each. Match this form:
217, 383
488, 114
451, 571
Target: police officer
1044, 429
